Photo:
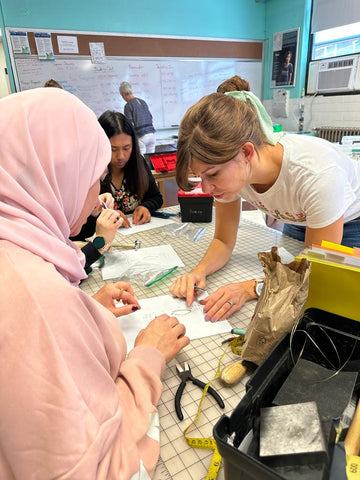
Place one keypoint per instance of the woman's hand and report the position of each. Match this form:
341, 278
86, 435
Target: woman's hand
108, 199
126, 221
141, 215
107, 224
112, 293
165, 334
183, 287
227, 300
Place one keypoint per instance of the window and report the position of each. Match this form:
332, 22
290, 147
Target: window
334, 42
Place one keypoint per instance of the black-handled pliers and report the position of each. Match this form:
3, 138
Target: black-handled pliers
185, 375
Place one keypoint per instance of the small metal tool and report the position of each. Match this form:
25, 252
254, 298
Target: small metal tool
128, 246
185, 375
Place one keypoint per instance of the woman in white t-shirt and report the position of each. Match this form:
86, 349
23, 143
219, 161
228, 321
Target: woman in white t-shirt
227, 140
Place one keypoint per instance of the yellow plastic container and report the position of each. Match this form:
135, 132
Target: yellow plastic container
334, 287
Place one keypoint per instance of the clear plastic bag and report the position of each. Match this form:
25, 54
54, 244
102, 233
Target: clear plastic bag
188, 230
146, 275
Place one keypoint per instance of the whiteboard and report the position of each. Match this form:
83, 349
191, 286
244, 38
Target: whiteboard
169, 86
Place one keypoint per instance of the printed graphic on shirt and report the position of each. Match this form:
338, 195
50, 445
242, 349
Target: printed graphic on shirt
279, 215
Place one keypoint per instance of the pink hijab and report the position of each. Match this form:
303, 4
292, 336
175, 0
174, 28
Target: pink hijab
52, 151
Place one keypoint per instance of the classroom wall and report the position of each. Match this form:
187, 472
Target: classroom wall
232, 19
228, 19
224, 19
280, 16
319, 110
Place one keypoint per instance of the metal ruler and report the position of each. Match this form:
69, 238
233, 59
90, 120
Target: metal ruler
161, 472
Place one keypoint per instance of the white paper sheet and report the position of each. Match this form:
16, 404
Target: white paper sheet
149, 261
193, 318
155, 223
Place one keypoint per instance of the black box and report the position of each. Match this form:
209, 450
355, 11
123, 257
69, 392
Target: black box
242, 426
195, 206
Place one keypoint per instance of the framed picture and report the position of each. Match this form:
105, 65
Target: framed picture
284, 57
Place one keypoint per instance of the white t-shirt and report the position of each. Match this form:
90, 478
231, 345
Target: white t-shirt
317, 184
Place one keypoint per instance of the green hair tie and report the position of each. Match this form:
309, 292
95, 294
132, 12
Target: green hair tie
264, 118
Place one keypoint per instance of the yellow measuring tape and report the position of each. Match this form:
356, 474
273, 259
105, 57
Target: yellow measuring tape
353, 467
236, 344
209, 443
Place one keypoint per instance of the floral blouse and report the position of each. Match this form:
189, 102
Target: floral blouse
124, 200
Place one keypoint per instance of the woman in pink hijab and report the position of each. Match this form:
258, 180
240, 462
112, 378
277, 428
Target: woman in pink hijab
73, 404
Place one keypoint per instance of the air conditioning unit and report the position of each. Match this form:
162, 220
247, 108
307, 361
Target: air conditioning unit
334, 75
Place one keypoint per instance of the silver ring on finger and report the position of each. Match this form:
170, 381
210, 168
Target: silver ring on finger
230, 303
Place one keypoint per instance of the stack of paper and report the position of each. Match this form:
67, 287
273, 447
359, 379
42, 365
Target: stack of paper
333, 252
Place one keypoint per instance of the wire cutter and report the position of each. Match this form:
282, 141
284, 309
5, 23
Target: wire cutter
185, 375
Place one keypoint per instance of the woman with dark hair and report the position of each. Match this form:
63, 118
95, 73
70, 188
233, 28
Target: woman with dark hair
129, 179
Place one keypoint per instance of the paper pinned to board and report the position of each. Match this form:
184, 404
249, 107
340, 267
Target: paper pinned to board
155, 223
192, 317
119, 264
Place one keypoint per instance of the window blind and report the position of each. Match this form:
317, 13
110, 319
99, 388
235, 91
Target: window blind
334, 13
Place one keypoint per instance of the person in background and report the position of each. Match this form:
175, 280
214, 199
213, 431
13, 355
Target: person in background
232, 84
73, 402
137, 111
52, 83
306, 182
129, 179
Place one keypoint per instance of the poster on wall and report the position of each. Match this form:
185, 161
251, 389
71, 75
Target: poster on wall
67, 44
97, 52
284, 58
20, 42
44, 46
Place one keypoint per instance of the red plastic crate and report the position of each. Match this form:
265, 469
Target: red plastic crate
164, 162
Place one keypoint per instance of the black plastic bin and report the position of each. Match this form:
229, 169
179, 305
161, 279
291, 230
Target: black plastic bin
195, 206
265, 383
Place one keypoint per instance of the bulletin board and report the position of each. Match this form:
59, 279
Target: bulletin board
169, 83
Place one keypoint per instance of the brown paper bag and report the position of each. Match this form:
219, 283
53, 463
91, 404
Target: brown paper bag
280, 306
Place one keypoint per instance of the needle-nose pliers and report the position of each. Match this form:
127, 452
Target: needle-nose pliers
185, 375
